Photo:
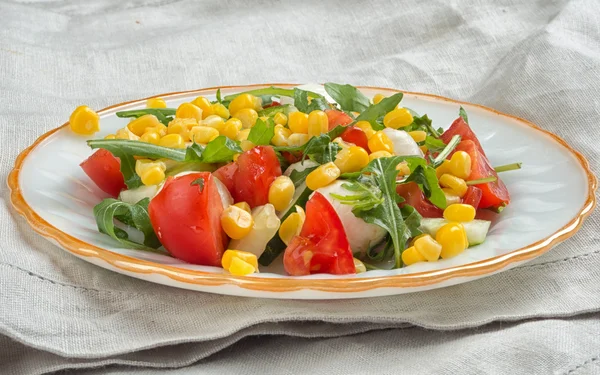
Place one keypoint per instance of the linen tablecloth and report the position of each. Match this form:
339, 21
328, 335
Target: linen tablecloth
536, 60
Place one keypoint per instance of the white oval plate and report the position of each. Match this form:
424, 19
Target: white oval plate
551, 195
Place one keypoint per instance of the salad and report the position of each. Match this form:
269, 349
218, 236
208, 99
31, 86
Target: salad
321, 178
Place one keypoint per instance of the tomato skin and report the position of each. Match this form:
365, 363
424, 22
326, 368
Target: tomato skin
257, 168
187, 219
414, 197
494, 194
336, 118
226, 174
322, 246
292, 157
273, 104
460, 127
105, 171
355, 135
473, 196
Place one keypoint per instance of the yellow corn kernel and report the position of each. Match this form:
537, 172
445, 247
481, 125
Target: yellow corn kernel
246, 256
203, 134
150, 172
412, 256
381, 142
397, 118
125, 133
247, 145
428, 248
203, 103
140, 124
247, 116
352, 159
156, 103
213, 121
182, 127
423, 149
460, 165
298, 122
281, 192
298, 139
443, 168
244, 101
292, 225
318, 123
280, 118
189, 110
451, 196
379, 154
280, 136
220, 110
341, 143
236, 157
84, 121
243, 134
172, 141
150, 136
236, 222
110, 136
322, 176
459, 212
359, 266
403, 169
377, 98
240, 267
244, 206
418, 135
366, 127
457, 184
453, 239
162, 129
412, 242
231, 128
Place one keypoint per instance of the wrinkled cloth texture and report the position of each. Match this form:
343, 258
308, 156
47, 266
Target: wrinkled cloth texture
536, 60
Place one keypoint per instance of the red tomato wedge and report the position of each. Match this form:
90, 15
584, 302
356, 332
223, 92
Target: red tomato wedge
226, 174
460, 127
105, 170
493, 194
473, 196
336, 118
322, 246
415, 197
186, 216
257, 168
355, 135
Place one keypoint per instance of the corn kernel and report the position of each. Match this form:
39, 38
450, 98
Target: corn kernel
457, 184
377, 98
247, 145
125, 133
423, 149
236, 157
381, 142
220, 110
460, 165
412, 242
110, 136
453, 239
418, 135
280, 136
189, 110
318, 123
292, 225
150, 136
236, 222
281, 192
203, 103
84, 121
203, 134
182, 127
298, 139
172, 141
244, 101
244, 206
459, 212
298, 122
246, 256
213, 121
359, 267
451, 196
366, 127
428, 248
162, 129
322, 176
139, 125
352, 159
156, 103
403, 169
443, 168
397, 118
247, 116
343, 144
379, 154
240, 268
150, 172
231, 128
411, 256
280, 118
243, 134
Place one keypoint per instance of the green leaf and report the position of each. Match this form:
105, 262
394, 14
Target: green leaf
427, 180
194, 153
298, 177
337, 131
262, 132
434, 144
375, 111
454, 141
424, 123
412, 218
326, 154
462, 113
219, 100
135, 215
137, 148
273, 91
348, 97
301, 102
220, 149
366, 195
200, 182
270, 111
163, 114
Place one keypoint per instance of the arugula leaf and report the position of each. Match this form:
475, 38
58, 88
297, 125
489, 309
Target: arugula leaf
337, 131
427, 180
131, 148
454, 141
424, 123
434, 144
348, 97
301, 102
462, 113
273, 91
262, 132
220, 149
375, 111
135, 215
219, 100
164, 115
200, 182
412, 218
326, 154
367, 194
270, 111
298, 177
194, 153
